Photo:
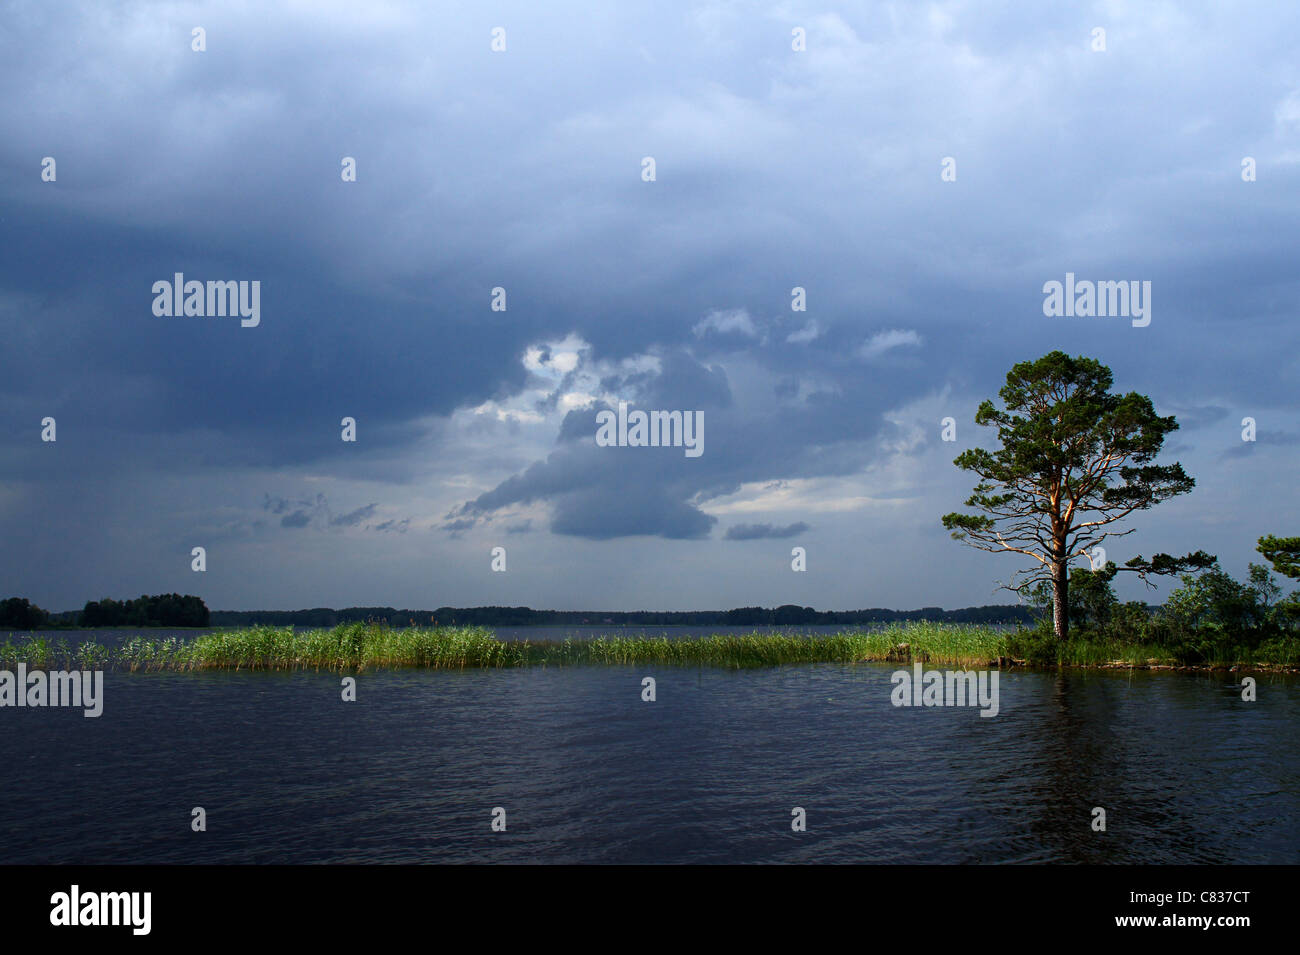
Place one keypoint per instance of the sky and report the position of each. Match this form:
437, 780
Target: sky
918, 170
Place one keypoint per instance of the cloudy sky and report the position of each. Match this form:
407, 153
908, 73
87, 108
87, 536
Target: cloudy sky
522, 169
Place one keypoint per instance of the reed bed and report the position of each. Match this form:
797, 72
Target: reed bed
360, 646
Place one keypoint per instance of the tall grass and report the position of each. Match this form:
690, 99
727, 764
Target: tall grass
360, 646
44, 653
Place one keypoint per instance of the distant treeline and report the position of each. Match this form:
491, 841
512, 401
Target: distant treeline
787, 615
174, 610
159, 610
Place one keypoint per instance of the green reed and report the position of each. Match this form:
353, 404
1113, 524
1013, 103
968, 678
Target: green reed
360, 646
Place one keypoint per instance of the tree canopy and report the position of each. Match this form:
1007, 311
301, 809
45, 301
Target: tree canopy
1074, 461
1283, 553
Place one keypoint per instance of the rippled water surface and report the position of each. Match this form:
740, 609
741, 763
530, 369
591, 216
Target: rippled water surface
587, 772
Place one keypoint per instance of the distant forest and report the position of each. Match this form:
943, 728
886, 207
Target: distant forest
159, 610
525, 616
174, 610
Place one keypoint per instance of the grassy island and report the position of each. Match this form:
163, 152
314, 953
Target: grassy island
361, 646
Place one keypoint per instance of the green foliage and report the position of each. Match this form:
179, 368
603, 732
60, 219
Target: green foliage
16, 613
1210, 620
160, 610
1283, 553
1073, 459
1214, 606
1037, 646
358, 646
1130, 636
1091, 597
1282, 650
1130, 622
47, 653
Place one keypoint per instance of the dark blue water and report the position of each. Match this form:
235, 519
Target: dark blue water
587, 772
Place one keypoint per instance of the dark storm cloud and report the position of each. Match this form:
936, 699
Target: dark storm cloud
317, 512
277, 505
750, 532
608, 512
353, 518
775, 170
662, 489
296, 519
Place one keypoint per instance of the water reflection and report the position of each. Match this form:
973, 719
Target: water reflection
709, 772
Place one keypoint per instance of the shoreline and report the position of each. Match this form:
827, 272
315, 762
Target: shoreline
358, 647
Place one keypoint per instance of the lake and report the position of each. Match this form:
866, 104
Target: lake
709, 772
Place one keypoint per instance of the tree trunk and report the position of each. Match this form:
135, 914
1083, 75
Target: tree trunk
1061, 598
